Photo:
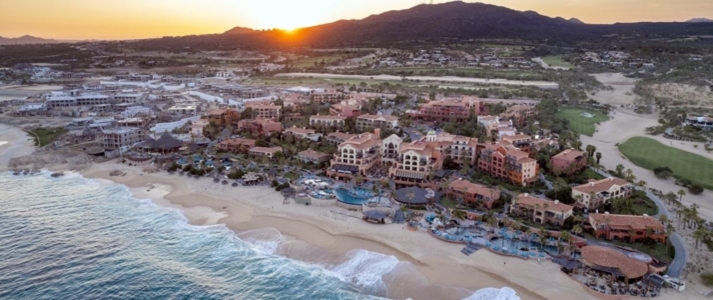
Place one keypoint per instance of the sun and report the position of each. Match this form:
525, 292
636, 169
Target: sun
291, 15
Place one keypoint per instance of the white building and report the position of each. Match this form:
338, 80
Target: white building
225, 74
184, 109
120, 138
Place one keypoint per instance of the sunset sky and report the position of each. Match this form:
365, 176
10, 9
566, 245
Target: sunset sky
127, 19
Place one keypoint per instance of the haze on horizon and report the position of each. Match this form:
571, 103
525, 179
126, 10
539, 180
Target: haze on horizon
131, 19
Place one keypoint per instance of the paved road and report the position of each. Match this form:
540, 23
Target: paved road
679, 261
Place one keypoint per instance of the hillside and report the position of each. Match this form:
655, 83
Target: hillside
27, 39
452, 20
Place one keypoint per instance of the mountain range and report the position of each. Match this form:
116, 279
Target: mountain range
26, 39
459, 20
426, 22
699, 20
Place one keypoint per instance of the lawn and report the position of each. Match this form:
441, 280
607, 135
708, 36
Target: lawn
581, 124
46, 135
649, 154
309, 62
556, 61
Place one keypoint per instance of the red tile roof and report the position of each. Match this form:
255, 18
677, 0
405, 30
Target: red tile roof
600, 185
613, 259
627, 221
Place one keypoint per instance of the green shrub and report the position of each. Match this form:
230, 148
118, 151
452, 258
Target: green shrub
707, 279
695, 189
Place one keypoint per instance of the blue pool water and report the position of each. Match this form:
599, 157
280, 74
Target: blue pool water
354, 196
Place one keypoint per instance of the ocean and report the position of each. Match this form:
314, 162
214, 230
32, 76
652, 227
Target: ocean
74, 238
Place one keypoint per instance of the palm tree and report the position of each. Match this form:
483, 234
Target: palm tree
458, 214
599, 157
699, 234
671, 196
577, 229
681, 193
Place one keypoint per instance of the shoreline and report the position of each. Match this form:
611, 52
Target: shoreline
448, 273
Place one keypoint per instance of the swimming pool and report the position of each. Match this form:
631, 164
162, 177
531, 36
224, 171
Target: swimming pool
322, 194
519, 247
354, 196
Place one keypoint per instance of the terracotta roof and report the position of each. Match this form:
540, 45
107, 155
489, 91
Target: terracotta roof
474, 188
238, 142
378, 117
327, 117
341, 135
266, 149
297, 130
626, 221
569, 155
516, 137
600, 185
613, 259
216, 112
528, 200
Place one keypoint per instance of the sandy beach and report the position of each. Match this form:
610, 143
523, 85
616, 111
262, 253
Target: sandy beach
13, 143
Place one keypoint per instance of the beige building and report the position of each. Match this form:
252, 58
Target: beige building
593, 194
327, 121
264, 151
365, 122
541, 210
261, 110
120, 138
356, 155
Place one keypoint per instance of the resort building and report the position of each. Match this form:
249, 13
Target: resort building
597, 192
447, 110
314, 157
127, 98
300, 133
508, 163
184, 109
222, 117
262, 110
294, 101
344, 109
416, 161
92, 99
627, 228
237, 145
327, 121
613, 262
541, 210
260, 127
327, 97
120, 138
568, 162
458, 148
336, 138
197, 127
365, 122
264, 151
473, 193
390, 149
356, 155
522, 142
